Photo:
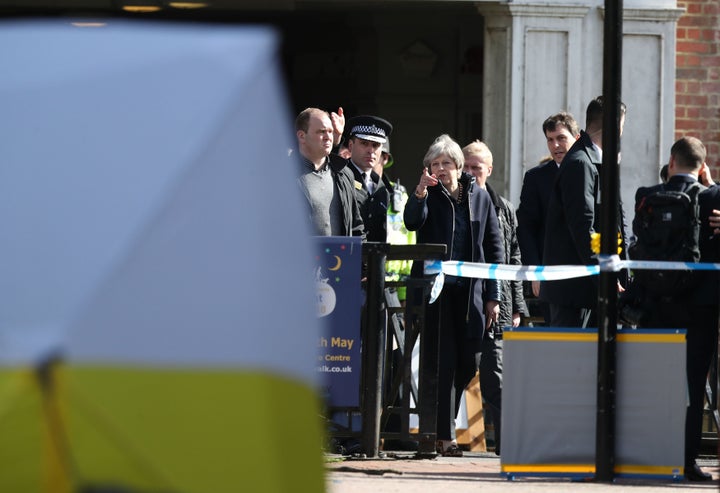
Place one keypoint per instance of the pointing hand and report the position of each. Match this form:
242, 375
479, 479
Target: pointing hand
426, 180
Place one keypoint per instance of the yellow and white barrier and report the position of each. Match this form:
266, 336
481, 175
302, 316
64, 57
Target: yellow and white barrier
157, 325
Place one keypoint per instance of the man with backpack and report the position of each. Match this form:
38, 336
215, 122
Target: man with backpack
667, 226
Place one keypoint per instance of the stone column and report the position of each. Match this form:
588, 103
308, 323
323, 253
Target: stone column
544, 58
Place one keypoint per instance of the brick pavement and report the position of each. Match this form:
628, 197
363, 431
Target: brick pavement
400, 473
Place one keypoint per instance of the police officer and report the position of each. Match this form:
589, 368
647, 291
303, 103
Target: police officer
366, 135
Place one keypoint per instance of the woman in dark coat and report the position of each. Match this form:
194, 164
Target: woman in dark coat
447, 207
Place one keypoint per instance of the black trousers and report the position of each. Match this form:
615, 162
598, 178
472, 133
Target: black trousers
489, 363
457, 351
701, 323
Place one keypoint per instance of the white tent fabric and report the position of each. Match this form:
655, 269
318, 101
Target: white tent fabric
157, 309
143, 218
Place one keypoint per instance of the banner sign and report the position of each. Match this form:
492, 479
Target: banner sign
338, 263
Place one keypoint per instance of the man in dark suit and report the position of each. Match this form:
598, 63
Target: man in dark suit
694, 308
561, 131
573, 215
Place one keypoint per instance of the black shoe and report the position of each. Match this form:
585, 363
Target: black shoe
452, 451
694, 473
348, 446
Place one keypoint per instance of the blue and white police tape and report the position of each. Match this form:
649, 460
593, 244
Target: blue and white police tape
517, 272
607, 263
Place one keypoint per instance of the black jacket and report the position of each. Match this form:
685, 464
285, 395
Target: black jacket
573, 214
434, 220
709, 243
705, 290
513, 300
352, 224
373, 207
344, 181
531, 213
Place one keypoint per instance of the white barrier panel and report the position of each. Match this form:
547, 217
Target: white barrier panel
549, 402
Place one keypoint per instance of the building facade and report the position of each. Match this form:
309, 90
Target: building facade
494, 70
490, 70
697, 85
554, 59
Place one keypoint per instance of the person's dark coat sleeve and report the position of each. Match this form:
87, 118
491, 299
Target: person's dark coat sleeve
518, 298
415, 212
358, 228
530, 220
577, 188
493, 252
353, 218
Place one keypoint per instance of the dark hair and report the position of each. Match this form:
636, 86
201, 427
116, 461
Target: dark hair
594, 113
689, 153
664, 173
563, 119
302, 122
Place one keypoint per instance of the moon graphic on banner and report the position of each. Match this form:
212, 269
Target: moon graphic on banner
326, 298
337, 266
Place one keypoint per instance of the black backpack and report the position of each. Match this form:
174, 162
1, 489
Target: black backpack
667, 228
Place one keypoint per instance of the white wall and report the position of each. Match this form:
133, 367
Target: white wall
544, 58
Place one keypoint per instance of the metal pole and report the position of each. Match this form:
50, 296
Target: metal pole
607, 299
374, 347
416, 316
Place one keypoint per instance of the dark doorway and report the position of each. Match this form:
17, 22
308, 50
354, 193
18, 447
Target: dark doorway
418, 65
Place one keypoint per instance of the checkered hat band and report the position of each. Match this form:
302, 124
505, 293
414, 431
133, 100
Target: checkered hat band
368, 129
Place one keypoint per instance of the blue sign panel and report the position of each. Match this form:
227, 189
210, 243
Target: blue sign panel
339, 302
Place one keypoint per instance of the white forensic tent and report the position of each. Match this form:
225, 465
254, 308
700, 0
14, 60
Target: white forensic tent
157, 327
